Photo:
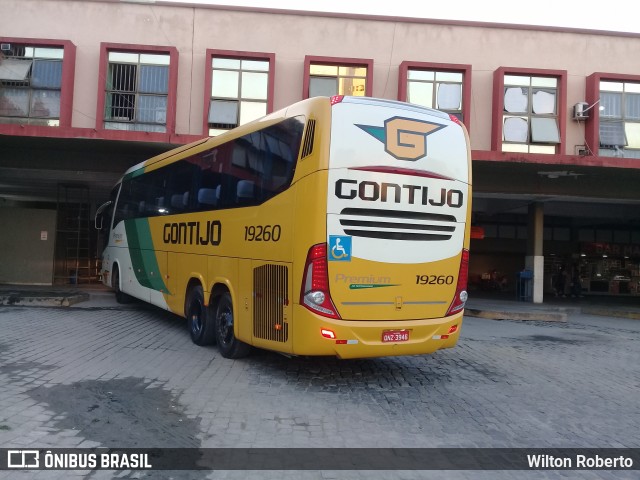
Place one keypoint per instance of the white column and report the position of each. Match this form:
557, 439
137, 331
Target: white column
535, 263
534, 260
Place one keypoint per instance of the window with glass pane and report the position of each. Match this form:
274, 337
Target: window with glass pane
137, 88
434, 89
239, 91
329, 80
530, 114
30, 83
619, 119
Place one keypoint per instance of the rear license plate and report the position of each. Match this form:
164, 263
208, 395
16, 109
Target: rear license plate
395, 336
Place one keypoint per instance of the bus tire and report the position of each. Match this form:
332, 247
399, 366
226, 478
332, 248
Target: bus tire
228, 344
121, 297
201, 325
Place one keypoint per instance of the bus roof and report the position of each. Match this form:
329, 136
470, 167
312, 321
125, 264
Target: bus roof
280, 114
395, 104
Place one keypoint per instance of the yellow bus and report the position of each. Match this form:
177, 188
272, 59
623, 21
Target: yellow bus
336, 226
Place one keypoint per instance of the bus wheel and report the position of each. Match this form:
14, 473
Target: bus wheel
121, 297
198, 317
228, 344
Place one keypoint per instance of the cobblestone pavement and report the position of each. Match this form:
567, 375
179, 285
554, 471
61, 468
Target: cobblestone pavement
109, 376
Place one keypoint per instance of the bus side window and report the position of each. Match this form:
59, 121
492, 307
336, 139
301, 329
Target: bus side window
208, 197
180, 178
176, 201
226, 192
122, 211
159, 206
245, 193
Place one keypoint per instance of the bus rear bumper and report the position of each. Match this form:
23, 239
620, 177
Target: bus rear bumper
316, 335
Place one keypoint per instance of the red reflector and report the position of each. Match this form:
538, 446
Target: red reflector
326, 333
341, 342
336, 99
444, 337
453, 329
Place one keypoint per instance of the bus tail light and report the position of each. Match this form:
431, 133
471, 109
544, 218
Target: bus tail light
336, 99
461, 295
315, 284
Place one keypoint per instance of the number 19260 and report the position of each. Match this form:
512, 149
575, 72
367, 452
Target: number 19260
262, 233
434, 279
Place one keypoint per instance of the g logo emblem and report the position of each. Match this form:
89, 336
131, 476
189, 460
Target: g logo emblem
407, 139
403, 138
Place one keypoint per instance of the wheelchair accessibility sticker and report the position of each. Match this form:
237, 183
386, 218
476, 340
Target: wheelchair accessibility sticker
339, 248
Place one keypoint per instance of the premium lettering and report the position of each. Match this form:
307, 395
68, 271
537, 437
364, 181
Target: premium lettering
193, 233
394, 193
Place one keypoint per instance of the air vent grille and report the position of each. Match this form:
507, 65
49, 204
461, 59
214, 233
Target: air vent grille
397, 224
270, 290
307, 146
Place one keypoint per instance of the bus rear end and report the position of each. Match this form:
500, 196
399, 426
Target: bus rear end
390, 278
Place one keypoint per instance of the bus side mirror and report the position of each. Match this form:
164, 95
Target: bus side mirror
99, 218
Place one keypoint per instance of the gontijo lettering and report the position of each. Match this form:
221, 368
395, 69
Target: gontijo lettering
392, 192
193, 233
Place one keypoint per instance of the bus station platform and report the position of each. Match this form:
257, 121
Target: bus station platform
495, 306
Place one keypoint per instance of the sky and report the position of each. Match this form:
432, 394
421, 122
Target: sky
612, 15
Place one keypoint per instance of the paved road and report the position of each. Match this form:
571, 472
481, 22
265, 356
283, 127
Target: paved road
97, 375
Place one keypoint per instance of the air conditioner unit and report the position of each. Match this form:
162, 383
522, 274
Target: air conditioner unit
5, 47
580, 111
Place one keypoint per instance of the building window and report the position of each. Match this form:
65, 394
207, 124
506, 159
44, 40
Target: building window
239, 92
436, 89
326, 77
530, 114
137, 88
30, 84
619, 119
328, 80
443, 86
